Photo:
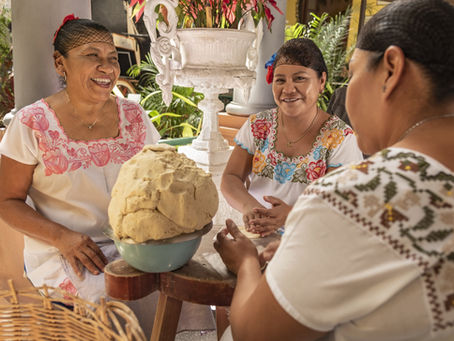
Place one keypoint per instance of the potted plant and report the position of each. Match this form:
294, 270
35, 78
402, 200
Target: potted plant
214, 13
205, 28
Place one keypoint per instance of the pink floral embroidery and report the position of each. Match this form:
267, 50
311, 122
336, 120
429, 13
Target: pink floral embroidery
100, 154
55, 162
316, 170
60, 154
68, 286
35, 119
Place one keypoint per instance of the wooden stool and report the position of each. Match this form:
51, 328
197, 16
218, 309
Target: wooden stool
199, 281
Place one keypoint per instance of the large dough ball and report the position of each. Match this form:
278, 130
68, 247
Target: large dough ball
160, 194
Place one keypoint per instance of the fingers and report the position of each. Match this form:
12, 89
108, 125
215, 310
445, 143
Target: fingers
233, 229
262, 212
273, 200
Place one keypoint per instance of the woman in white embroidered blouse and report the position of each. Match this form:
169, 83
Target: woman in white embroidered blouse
368, 252
284, 149
65, 152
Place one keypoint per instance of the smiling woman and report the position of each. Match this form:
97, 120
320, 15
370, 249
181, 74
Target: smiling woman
284, 149
65, 152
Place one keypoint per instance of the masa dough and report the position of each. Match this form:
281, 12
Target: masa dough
248, 234
160, 194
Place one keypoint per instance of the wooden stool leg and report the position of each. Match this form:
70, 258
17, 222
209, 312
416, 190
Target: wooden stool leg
222, 320
166, 319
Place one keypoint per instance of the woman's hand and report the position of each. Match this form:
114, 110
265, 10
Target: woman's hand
250, 216
234, 251
268, 252
81, 251
268, 220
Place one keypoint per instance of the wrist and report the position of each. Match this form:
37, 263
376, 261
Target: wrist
250, 264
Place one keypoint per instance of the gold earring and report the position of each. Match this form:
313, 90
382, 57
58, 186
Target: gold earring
64, 75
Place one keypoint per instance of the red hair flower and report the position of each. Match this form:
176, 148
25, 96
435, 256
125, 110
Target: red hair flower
69, 17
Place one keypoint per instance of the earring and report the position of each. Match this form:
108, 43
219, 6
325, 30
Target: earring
383, 88
64, 75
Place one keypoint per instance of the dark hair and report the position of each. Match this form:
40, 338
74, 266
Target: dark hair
301, 51
424, 30
77, 32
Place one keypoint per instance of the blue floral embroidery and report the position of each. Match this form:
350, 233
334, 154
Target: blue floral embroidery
265, 146
284, 171
317, 155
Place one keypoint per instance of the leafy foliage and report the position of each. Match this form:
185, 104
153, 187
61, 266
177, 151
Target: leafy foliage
6, 64
215, 13
330, 35
181, 118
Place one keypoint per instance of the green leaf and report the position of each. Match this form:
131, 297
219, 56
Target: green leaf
185, 99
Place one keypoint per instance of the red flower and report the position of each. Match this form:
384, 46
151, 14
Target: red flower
316, 170
229, 10
260, 129
269, 17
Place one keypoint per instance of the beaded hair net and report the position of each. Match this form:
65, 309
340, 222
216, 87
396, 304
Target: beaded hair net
298, 51
75, 32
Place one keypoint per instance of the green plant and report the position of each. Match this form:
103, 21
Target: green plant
330, 35
6, 64
215, 13
182, 118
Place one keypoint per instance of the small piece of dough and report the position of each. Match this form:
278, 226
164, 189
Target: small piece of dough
248, 234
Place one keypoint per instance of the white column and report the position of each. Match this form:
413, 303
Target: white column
261, 96
34, 23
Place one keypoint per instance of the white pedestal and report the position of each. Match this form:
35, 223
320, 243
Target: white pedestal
210, 150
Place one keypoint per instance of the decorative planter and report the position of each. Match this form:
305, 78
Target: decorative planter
215, 48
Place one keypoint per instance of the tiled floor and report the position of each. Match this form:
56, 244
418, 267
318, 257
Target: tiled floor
196, 336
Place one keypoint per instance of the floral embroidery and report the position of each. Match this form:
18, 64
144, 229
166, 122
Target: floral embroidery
260, 129
316, 170
308, 167
284, 171
258, 162
398, 196
317, 152
69, 287
333, 138
61, 154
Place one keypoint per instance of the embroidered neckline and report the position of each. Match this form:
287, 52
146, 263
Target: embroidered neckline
104, 139
299, 158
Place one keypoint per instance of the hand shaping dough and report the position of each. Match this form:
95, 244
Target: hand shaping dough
248, 234
160, 194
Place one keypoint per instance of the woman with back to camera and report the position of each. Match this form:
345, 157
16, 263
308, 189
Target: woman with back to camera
368, 252
65, 152
283, 149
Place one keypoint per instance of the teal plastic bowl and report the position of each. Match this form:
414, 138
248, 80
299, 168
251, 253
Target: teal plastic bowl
160, 255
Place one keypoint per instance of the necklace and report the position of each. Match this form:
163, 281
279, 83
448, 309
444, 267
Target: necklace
417, 124
89, 125
291, 143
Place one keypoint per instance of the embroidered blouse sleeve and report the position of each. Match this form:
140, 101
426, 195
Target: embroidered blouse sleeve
20, 142
331, 272
244, 138
343, 147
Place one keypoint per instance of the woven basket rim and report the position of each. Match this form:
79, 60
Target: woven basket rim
41, 317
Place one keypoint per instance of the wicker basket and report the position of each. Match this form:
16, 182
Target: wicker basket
40, 318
